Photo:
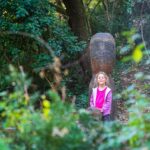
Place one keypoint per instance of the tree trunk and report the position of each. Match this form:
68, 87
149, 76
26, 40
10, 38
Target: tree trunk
78, 19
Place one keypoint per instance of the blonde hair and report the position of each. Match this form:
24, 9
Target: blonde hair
105, 75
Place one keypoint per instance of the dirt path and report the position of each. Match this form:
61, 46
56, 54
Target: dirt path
126, 79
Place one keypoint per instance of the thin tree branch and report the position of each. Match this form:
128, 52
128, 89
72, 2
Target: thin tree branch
59, 9
71, 64
26, 94
89, 2
95, 7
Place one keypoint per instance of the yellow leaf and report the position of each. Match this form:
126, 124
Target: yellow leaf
46, 112
46, 104
137, 54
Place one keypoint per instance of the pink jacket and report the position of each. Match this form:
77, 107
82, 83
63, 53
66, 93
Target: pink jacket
107, 100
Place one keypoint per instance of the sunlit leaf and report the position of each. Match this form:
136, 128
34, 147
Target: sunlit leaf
137, 54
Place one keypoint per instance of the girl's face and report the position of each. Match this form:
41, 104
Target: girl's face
101, 79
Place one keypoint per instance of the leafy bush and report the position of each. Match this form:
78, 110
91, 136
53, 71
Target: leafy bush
23, 27
53, 126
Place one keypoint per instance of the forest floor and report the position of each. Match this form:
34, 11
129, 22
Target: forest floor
126, 79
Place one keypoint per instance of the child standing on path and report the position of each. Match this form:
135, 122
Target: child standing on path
101, 97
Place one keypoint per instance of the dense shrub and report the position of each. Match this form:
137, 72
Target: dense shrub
23, 27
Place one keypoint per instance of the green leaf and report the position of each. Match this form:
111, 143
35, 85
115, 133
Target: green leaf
21, 12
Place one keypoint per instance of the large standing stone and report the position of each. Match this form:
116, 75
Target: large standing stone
102, 52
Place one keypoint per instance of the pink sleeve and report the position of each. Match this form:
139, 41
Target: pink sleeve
91, 101
107, 104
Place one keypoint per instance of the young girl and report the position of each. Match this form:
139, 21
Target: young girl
101, 97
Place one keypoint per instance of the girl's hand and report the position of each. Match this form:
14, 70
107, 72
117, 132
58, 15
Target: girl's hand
101, 110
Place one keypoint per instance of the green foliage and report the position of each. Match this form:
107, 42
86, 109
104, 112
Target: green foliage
136, 129
134, 46
51, 127
33, 19
3, 145
76, 87
109, 16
